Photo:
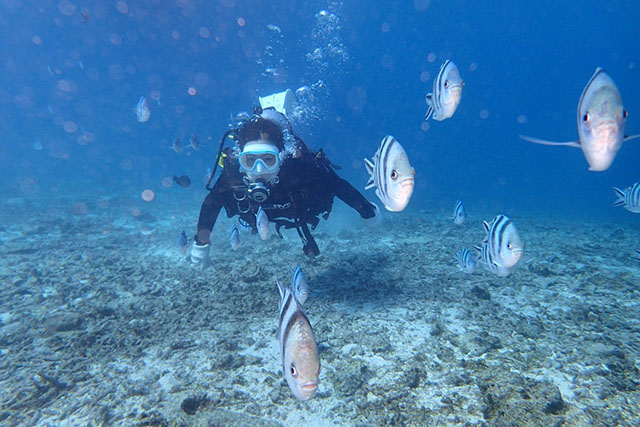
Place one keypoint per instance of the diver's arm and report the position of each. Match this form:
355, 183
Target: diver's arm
208, 215
348, 194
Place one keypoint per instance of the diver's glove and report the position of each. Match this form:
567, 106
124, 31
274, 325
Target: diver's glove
376, 219
200, 254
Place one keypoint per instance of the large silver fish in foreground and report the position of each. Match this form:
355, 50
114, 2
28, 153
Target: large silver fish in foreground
502, 248
601, 118
298, 349
447, 92
392, 174
629, 198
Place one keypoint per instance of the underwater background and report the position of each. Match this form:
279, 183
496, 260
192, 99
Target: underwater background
91, 273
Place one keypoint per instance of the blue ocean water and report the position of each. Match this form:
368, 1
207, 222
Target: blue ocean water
73, 71
85, 66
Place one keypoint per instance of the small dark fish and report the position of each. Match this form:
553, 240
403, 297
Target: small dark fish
183, 242
177, 145
194, 142
84, 15
182, 180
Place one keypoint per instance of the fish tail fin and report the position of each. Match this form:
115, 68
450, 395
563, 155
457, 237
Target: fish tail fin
369, 166
621, 197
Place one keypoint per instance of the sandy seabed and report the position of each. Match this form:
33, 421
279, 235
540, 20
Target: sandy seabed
105, 322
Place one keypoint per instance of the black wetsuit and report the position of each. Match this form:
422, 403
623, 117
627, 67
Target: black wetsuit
306, 188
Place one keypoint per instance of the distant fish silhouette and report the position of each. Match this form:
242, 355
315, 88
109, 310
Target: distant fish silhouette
182, 180
194, 142
177, 145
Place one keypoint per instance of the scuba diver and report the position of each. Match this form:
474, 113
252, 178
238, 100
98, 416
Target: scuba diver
269, 167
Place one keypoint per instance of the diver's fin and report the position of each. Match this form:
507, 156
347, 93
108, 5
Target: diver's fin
544, 142
629, 138
369, 166
621, 197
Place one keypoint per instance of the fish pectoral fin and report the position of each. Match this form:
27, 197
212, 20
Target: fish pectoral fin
429, 113
428, 99
629, 138
545, 142
370, 184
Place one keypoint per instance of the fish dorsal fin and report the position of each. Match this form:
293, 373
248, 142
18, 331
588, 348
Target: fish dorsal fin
280, 288
630, 137
487, 226
545, 142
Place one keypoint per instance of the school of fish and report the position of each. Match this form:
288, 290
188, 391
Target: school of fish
601, 120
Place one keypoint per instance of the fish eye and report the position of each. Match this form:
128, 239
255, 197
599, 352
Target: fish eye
624, 114
294, 371
585, 118
394, 175
446, 84
509, 245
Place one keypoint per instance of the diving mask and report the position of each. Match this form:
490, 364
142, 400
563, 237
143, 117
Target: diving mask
259, 158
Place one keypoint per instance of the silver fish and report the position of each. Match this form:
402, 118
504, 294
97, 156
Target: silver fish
298, 349
629, 198
262, 223
392, 174
177, 145
459, 215
299, 284
234, 238
502, 248
183, 241
466, 260
142, 110
194, 142
601, 119
447, 92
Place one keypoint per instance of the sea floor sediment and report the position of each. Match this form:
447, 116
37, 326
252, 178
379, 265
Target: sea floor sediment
105, 321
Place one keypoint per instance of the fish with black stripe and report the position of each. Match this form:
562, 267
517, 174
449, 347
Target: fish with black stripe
459, 214
601, 119
466, 260
392, 174
299, 284
298, 349
502, 248
447, 93
629, 198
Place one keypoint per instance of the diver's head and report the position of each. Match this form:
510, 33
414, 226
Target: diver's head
261, 143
